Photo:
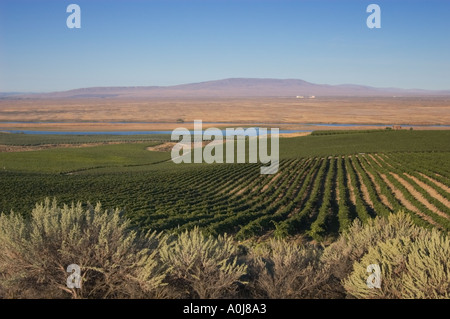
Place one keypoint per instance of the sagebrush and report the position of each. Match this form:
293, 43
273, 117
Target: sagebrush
417, 268
283, 269
206, 267
115, 260
120, 261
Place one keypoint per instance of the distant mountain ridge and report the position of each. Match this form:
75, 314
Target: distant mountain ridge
234, 87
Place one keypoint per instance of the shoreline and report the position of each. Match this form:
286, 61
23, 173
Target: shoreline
164, 126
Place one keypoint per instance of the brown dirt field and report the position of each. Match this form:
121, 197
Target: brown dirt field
444, 187
97, 114
430, 190
419, 196
399, 195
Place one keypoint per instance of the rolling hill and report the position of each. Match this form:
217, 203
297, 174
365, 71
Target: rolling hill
234, 87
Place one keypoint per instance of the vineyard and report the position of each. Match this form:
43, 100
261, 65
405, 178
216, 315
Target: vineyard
314, 196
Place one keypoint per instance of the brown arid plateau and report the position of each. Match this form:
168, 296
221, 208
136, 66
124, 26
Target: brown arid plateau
288, 104
110, 114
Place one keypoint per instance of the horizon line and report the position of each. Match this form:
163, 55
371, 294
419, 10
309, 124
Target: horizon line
218, 80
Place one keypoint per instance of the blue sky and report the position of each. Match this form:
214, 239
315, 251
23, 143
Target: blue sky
166, 42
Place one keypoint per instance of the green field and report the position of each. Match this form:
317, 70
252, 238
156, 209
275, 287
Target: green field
66, 160
41, 139
324, 143
324, 182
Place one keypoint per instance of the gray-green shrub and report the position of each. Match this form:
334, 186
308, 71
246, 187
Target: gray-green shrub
410, 268
202, 266
355, 242
114, 260
282, 269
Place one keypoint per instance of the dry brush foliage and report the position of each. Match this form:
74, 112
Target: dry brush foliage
355, 242
206, 267
282, 269
116, 261
417, 268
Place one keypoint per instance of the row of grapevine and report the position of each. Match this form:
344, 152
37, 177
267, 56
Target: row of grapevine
268, 221
378, 206
297, 222
360, 205
317, 196
318, 227
400, 171
386, 169
412, 168
343, 199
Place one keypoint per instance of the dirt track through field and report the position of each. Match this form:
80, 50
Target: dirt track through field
164, 147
